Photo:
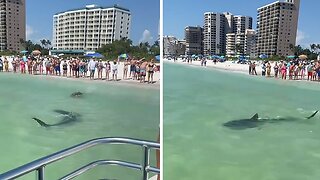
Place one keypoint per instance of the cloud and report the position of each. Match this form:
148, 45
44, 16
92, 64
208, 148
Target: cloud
300, 37
29, 32
146, 37
303, 39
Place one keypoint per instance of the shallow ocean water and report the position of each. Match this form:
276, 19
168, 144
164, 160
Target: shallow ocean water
106, 111
197, 101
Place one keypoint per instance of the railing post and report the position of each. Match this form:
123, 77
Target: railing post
40, 173
145, 162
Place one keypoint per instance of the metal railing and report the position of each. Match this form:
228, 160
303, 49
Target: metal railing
38, 165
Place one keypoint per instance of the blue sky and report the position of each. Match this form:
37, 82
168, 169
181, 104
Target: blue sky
179, 14
145, 16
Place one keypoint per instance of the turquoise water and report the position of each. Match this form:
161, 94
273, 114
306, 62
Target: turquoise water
106, 110
197, 101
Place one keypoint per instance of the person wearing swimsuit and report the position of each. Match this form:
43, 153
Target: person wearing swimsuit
276, 70
150, 66
108, 69
65, 68
125, 69
284, 71
132, 69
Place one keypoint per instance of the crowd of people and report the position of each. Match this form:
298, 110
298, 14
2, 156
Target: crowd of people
292, 70
140, 70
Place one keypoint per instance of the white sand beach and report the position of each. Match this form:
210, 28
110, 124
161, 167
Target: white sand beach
228, 65
121, 81
233, 66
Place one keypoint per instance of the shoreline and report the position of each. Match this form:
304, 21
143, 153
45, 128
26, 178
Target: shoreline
120, 82
231, 67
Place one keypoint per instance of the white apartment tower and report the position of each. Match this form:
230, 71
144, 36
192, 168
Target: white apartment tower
91, 27
241, 23
214, 39
236, 40
216, 28
277, 27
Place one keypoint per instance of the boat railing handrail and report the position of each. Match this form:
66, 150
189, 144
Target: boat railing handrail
39, 164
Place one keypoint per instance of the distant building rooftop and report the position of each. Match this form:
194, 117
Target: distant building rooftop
94, 6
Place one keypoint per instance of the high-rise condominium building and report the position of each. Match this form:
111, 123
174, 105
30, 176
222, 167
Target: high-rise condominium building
91, 27
241, 23
173, 47
250, 43
12, 24
214, 39
235, 44
194, 40
216, 28
277, 27
236, 41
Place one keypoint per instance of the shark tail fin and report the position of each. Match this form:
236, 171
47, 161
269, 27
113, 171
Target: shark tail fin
41, 122
255, 117
312, 115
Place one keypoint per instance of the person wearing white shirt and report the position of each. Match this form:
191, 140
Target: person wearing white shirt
114, 69
92, 67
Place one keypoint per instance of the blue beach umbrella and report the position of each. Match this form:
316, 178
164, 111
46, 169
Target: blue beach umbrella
157, 58
215, 56
124, 56
94, 55
263, 56
291, 57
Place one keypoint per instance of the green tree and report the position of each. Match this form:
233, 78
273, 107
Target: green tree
125, 46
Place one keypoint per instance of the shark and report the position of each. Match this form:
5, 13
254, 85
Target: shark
76, 94
255, 121
67, 118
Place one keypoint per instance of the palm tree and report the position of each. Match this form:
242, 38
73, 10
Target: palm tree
313, 47
48, 43
43, 42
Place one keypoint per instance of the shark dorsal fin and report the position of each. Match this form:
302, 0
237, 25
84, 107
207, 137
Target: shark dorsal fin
313, 114
255, 117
